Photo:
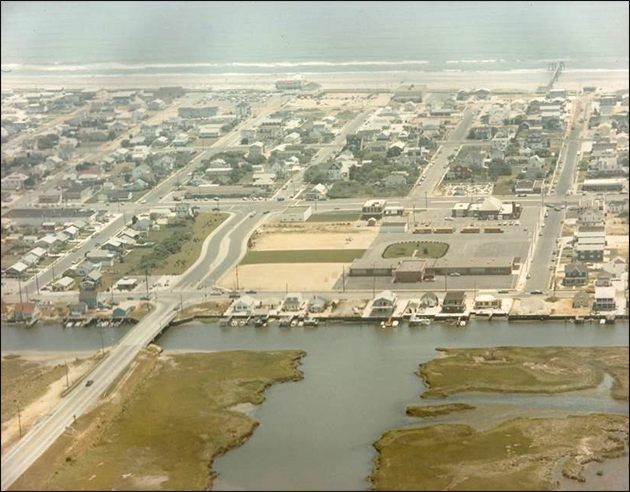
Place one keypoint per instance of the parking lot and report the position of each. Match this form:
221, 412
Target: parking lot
514, 241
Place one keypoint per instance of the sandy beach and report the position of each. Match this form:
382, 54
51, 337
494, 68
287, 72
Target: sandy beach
437, 80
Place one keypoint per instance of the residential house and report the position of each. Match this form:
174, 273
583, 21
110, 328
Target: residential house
318, 304
384, 303
63, 284
244, 306
318, 192
591, 216
429, 300
604, 279
581, 300
605, 299
26, 312
454, 302
487, 301
89, 297
396, 178
575, 274
78, 309
122, 311
292, 302
105, 258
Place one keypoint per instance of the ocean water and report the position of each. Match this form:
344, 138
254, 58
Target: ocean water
269, 37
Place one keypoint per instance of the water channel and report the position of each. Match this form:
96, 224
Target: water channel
317, 434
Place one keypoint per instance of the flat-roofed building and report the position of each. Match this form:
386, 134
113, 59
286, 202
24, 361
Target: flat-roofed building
373, 208
410, 271
365, 267
471, 266
296, 214
604, 184
454, 302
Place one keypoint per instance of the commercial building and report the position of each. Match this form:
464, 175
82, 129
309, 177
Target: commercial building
604, 184
471, 266
373, 208
490, 209
410, 271
296, 214
200, 112
394, 225
365, 267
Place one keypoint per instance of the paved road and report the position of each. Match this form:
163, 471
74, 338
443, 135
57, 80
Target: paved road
26, 451
438, 165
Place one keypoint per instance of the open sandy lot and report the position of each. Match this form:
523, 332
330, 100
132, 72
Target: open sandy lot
312, 236
305, 277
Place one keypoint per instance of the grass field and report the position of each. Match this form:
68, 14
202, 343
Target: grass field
525, 370
200, 228
416, 249
303, 256
164, 424
334, 217
519, 454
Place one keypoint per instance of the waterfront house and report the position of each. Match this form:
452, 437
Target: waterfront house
454, 302
122, 311
292, 302
429, 300
384, 303
605, 299
487, 301
89, 297
581, 300
78, 309
26, 312
244, 306
318, 304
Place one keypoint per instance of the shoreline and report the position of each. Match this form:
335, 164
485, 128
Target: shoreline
516, 79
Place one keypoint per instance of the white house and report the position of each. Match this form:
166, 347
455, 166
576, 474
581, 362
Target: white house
244, 306
384, 303
292, 302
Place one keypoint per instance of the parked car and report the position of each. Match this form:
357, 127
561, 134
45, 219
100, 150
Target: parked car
89, 382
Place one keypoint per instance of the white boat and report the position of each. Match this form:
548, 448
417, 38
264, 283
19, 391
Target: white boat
415, 320
462, 323
395, 322
602, 321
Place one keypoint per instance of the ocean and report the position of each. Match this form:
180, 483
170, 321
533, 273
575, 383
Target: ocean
108, 38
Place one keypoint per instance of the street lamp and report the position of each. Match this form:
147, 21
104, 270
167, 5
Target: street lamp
216, 199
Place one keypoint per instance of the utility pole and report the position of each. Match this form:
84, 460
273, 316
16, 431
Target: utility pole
237, 285
100, 331
414, 214
426, 200
146, 281
373, 280
37, 282
20, 287
67, 379
53, 270
343, 279
19, 417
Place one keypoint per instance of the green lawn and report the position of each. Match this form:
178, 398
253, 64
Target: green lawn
303, 256
416, 249
175, 264
335, 217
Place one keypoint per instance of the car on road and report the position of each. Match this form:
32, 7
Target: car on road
216, 293
503, 291
522, 195
280, 198
144, 200
454, 274
529, 275
234, 295
266, 212
89, 383
252, 291
536, 292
